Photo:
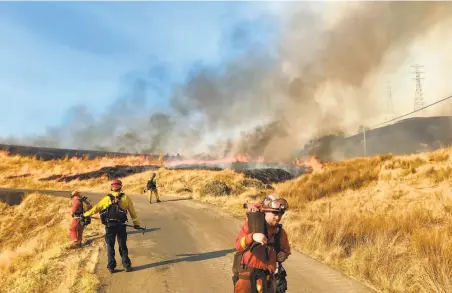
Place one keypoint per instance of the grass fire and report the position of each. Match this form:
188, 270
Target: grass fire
382, 220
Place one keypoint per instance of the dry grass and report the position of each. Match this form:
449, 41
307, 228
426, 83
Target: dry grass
384, 220
385, 241
438, 175
20, 171
33, 244
387, 221
335, 178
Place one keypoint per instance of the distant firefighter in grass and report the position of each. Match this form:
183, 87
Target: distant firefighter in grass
151, 188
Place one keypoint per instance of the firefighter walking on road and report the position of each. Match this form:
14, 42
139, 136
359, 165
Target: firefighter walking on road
113, 210
262, 246
77, 227
151, 188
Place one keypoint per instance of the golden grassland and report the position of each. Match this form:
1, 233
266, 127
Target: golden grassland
34, 255
383, 220
391, 230
25, 171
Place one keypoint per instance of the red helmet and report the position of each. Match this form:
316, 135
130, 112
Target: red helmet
116, 185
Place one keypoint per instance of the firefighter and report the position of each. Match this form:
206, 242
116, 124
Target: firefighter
151, 187
113, 210
260, 254
76, 228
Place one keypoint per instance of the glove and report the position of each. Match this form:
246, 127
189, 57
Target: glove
136, 226
281, 256
85, 200
260, 238
85, 221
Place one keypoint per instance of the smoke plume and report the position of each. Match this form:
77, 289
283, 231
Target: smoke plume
316, 82
323, 90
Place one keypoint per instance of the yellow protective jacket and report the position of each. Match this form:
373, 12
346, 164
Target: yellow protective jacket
125, 203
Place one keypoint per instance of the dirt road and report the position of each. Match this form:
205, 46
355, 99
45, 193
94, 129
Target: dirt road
188, 247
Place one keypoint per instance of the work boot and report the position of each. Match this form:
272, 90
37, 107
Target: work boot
111, 270
75, 246
128, 269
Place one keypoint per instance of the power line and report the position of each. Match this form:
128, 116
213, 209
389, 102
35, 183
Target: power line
376, 125
420, 109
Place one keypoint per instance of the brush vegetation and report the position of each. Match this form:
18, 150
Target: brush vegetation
384, 220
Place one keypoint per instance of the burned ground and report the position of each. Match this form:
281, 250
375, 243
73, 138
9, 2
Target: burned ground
269, 175
117, 171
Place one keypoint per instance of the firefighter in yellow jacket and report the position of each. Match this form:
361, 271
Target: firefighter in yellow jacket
113, 210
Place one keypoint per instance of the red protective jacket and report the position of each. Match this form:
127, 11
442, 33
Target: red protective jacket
257, 258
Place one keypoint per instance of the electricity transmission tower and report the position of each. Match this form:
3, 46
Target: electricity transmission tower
419, 96
390, 114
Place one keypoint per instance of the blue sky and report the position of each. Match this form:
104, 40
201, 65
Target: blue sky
57, 56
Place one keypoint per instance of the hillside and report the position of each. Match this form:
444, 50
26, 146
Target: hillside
384, 220
413, 135
46, 153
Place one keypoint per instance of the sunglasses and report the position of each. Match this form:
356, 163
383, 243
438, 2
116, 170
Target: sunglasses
277, 213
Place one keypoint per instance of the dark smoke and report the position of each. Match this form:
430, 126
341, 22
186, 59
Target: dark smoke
351, 51
316, 82
292, 107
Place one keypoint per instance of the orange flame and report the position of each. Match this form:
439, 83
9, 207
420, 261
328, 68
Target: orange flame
313, 163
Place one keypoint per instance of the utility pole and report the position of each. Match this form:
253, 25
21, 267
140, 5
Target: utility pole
363, 129
419, 95
365, 145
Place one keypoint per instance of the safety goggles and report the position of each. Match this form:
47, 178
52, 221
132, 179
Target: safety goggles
280, 203
278, 213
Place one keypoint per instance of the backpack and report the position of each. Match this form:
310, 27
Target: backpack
152, 184
113, 215
84, 221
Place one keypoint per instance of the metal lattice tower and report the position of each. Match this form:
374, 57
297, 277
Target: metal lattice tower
390, 114
419, 96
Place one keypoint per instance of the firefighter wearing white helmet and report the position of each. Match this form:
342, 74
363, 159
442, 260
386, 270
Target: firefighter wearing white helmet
257, 263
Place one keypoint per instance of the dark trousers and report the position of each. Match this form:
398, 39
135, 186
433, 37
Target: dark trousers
120, 233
